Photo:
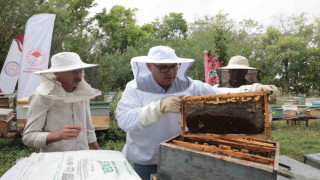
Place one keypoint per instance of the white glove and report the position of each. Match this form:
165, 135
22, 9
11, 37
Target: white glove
272, 98
151, 113
249, 88
170, 104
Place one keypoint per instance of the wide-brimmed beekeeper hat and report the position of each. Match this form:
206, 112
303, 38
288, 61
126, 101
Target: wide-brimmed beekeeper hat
65, 61
238, 62
161, 54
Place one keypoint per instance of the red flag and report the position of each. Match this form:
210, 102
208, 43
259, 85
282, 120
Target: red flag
210, 65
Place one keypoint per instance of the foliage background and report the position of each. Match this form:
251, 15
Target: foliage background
287, 54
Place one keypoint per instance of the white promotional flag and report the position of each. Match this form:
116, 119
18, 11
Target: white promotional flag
11, 67
35, 53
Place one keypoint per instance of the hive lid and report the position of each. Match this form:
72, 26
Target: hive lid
5, 112
238, 113
7, 95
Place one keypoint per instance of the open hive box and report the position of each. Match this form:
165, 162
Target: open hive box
224, 140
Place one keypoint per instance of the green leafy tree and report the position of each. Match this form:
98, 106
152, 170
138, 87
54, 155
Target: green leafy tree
288, 56
13, 18
285, 55
115, 69
148, 29
221, 37
73, 31
119, 28
214, 34
171, 26
245, 38
70, 24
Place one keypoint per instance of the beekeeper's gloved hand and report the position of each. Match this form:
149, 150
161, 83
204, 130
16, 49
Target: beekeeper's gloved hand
170, 104
272, 98
151, 113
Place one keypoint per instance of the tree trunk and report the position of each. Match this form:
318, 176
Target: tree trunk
286, 77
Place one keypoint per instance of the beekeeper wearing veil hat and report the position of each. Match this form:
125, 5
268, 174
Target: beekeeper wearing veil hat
59, 116
149, 109
238, 73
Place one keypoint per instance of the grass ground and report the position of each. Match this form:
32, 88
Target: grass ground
295, 142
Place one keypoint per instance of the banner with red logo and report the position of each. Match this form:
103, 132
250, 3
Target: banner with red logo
11, 67
210, 65
35, 53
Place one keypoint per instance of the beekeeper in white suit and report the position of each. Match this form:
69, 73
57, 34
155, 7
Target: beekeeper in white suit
59, 116
149, 109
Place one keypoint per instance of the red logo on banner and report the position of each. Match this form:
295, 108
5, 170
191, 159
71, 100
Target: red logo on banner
36, 57
12, 68
19, 39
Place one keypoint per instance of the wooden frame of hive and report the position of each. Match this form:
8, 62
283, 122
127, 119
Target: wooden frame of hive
224, 156
251, 142
224, 98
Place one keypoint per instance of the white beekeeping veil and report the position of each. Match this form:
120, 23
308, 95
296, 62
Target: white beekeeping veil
160, 54
63, 62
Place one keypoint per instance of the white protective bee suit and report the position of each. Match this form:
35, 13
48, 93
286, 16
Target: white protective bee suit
138, 111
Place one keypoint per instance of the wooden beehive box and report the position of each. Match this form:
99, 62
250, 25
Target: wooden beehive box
313, 112
6, 116
22, 108
22, 113
291, 102
224, 140
100, 115
289, 114
6, 100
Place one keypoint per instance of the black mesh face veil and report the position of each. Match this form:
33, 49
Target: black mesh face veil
251, 77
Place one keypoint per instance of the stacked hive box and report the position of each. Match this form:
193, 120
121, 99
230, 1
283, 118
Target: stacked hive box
223, 141
291, 102
6, 116
100, 115
276, 112
314, 110
22, 113
7, 101
294, 111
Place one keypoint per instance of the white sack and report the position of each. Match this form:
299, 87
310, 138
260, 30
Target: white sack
74, 165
